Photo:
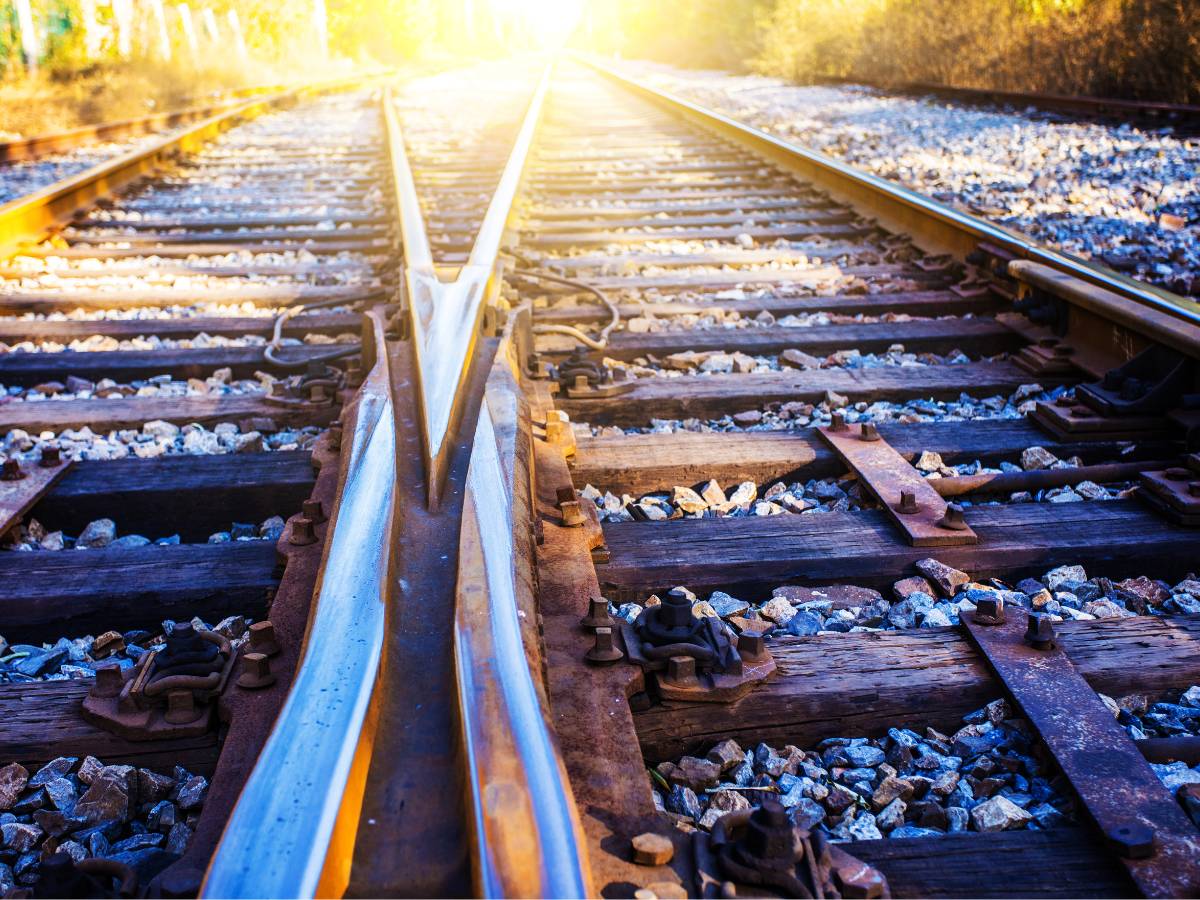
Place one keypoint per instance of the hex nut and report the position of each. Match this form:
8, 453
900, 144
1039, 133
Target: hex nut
650, 849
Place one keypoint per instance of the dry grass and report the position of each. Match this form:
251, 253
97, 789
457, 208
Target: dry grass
1138, 49
59, 101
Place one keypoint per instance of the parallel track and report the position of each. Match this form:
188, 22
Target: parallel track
443, 733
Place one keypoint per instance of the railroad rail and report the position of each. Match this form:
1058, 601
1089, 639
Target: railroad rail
40, 145
703, 517
1184, 117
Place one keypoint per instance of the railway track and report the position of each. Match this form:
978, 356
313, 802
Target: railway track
676, 473
1183, 117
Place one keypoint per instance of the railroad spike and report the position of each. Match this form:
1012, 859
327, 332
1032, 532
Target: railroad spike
604, 651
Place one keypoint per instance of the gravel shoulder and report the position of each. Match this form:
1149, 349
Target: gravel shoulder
1127, 197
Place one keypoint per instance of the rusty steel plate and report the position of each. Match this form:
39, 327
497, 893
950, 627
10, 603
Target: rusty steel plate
888, 475
1116, 785
1067, 420
18, 496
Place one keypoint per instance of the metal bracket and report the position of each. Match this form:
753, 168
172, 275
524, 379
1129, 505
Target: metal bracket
1175, 492
1068, 419
1141, 822
150, 702
1048, 357
752, 850
1156, 380
926, 519
695, 659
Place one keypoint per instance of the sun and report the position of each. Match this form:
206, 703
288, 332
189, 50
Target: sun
548, 22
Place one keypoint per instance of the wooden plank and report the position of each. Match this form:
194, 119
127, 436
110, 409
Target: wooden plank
725, 256
712, 396
261, 235
13, 330
29, 369
133, 412
587, 223
852, 685
286, 295
1118, 538
221, 223
1061, 862
192, 496
735, 278
639, 463
648, 233
206, 248
75, 592
40, 721
976, 337
915, 303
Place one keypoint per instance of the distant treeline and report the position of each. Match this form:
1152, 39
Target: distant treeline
1138, 49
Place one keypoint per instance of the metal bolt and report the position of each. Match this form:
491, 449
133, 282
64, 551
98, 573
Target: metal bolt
598, 615
335, 436
263, 639
181, 708
1064, 400
109, 681
51, 457
256, 672
1133, 841
990, 611
311, 509
581, 383
568, 504
953, 518
558, 426
11, 471
1039, 631
751, 644
837, 422
354, 372
869, 432
681, 669
605, 651
652, 849
302, 532
317, 393
908, 503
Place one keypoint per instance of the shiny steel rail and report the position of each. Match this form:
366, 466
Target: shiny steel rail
29, 218
526, 832
525, 827
444, 316
933, 226
287, 843
39, 145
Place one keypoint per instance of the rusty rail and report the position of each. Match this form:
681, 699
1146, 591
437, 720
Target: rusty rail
1162, 113
934, 227
30, 218
39, 145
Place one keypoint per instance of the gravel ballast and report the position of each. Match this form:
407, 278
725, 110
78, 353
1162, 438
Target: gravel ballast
1123, 196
